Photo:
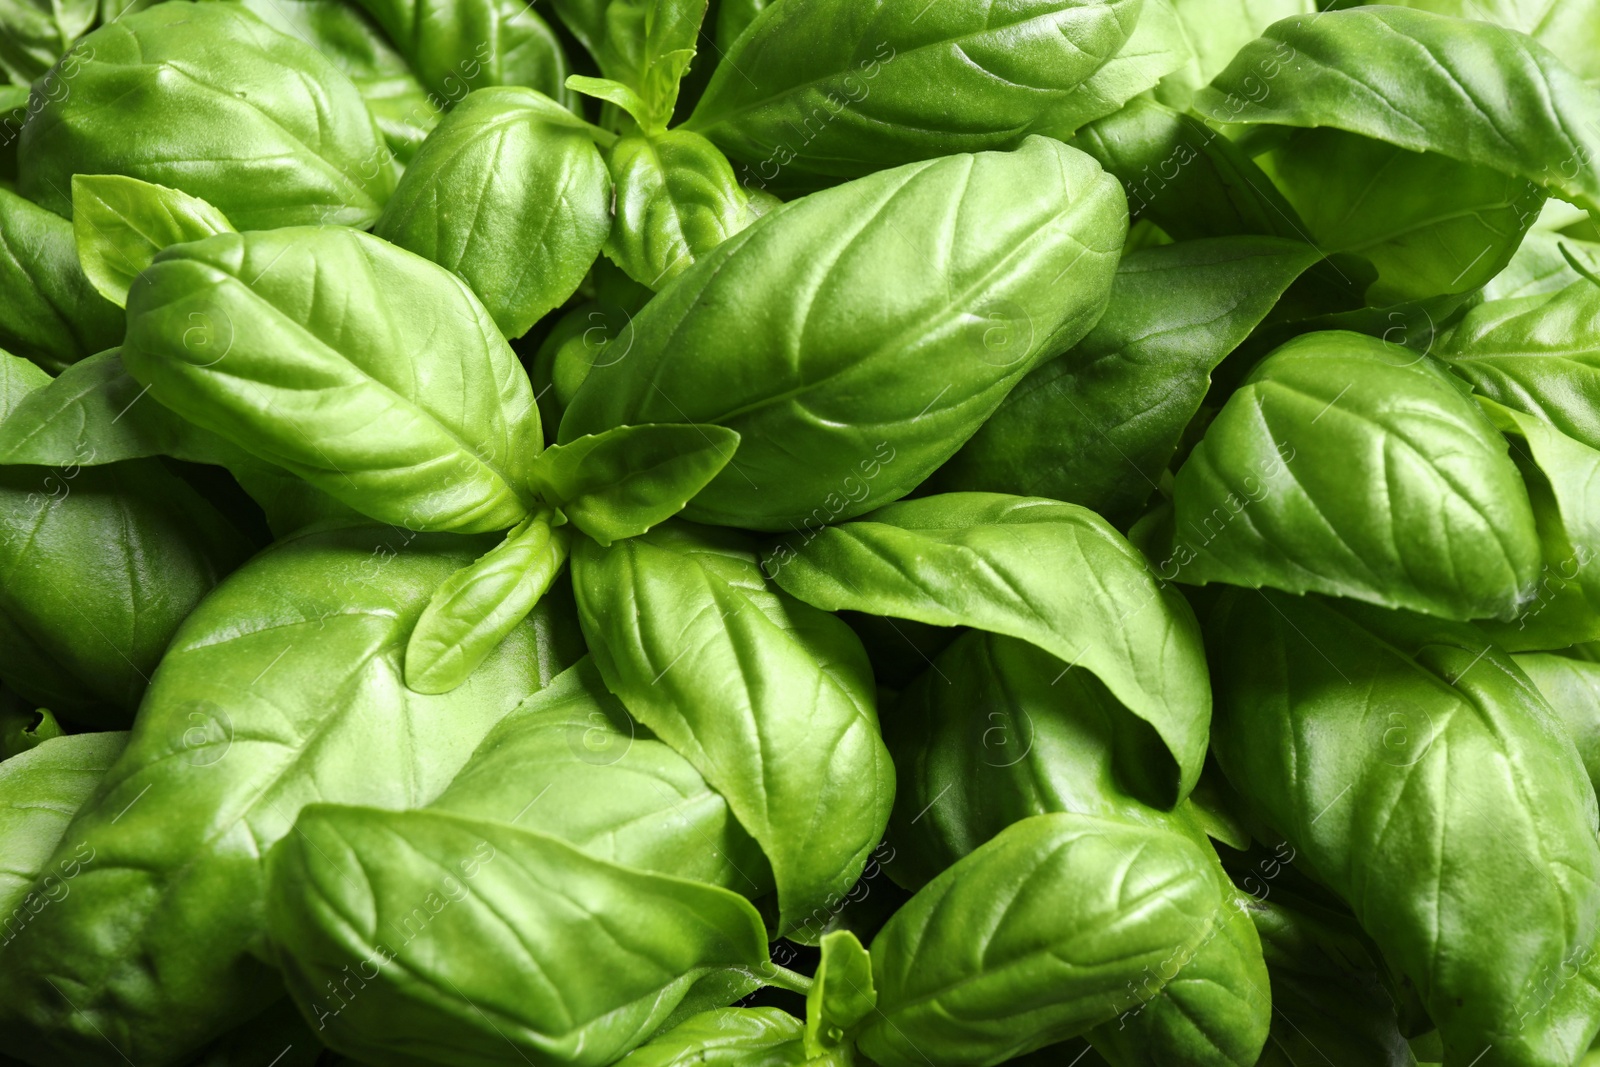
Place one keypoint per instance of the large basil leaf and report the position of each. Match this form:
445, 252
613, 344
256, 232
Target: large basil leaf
282, 689
1047, 930
1187, 177
342, 32
1329, 1004
157, 96
53, 315
1428, 223
1053, 574
1387, 762
573, 960
727, 1037
644, 45
677, 199
414, 411
120, 223
510, 193
456, 46
1569, 28
687, 633
1349, 466
33, 34
1563, 479
836, 88
849, 368
586, 772
101, 566
1572, 687
40, 791
1098, 426
1539, 354
1469, 90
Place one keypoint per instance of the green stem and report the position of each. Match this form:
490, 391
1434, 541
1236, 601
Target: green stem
784, 978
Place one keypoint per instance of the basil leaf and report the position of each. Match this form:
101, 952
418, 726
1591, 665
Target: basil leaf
606, 785
1572, 688
281, 689
40, 791
456, 46
341, 31
622, 482
54, 316
33, 34
574, 960
23, 728
119, 224
1383, 752
822, 337
414, 412
1349, 466
300, 147
1425, 82
827, 88
676, 199
1098, 425
510, 193
1043, 932
1569, 28
841, 997
727, 1037
1428, 223
1053, 574
479, 605
1539, 265
1539, 354
1215, 31
645, 45
686, 632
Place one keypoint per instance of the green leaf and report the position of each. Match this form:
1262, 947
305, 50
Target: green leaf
574, 960
1563, 479
119, 224
1572, 688
1098, 425
849, 368
510, 193
476, 607
606, 785
842, 997
676, 199
1540, 267
456, 46
622, 482
1053, 574
34, 33
282, 688
299, 148
1215, 31
1461, 88
23, 728
1058, 924
41, 790
1349, 466
1187, 177
1428, 223
54, 316
1569, 28
1539, 354
1388, 754
832, 89
687, 633
414, 412
643, 45
342, 32
1157, 47
727, 1037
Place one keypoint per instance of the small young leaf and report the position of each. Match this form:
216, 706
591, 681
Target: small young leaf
612, 92
477, 606
842, 995
120, 223
23, 728
622, 482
